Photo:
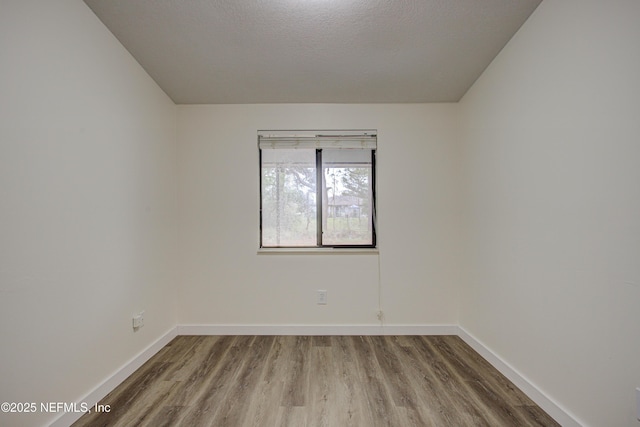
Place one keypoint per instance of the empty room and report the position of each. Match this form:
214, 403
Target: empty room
320, 212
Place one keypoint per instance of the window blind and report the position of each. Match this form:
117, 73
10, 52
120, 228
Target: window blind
317, 141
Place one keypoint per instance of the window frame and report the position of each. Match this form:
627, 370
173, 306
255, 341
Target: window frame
320, 245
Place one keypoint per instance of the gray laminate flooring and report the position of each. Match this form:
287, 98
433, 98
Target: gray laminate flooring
317, 381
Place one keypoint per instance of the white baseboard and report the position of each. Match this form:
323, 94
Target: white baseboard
552, 408
317, 330
116, 378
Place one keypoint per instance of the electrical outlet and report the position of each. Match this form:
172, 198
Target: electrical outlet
321, 297
638, 403
138, 320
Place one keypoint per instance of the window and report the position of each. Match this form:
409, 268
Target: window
317, 190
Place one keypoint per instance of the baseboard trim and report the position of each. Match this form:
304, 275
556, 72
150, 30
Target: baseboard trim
556, 411
116, 378
231, 329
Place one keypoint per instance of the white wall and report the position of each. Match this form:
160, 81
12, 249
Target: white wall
552, 142
225, 280
87, 204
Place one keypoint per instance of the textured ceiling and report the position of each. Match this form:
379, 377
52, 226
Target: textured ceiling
299, 51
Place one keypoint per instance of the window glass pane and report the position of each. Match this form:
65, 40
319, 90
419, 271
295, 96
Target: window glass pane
347, 197
288, 197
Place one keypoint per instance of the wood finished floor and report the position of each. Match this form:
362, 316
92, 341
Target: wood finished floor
317, 381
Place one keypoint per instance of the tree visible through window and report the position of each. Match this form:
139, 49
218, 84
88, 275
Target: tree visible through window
317, 191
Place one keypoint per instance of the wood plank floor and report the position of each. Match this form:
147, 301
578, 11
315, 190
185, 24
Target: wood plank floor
317, 381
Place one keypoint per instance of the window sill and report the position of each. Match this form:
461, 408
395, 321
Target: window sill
316, 251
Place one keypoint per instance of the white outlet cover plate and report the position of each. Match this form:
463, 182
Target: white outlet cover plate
321, 297
138, 320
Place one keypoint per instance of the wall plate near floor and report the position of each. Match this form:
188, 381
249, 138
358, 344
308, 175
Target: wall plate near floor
638, 403
138, 320
321, 297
